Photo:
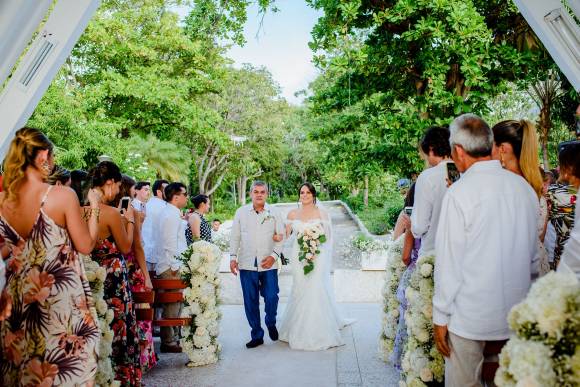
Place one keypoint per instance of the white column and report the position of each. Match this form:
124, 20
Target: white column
46, 54
558, 32
18, 21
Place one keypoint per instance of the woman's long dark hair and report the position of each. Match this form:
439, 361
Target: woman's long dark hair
310, 188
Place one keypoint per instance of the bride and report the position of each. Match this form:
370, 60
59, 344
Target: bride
311, 321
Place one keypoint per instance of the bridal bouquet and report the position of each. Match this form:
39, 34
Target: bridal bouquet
96, 276
546, 348
201, 262
309, 241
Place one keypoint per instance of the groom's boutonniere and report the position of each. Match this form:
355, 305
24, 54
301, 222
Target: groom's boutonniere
267, 216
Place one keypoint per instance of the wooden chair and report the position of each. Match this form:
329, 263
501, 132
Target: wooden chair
491, 360
161, 287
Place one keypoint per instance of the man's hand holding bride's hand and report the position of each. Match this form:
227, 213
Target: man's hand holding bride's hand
267, 262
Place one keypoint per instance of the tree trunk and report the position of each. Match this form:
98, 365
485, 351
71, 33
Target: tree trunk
366, 192
545, 124
242, 189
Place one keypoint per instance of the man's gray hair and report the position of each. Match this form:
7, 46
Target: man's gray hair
473, 134
259, 183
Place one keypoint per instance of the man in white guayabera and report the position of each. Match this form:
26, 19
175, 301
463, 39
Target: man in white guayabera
256, 243
486, 246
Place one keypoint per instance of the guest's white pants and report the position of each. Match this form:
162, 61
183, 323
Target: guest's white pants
463, 367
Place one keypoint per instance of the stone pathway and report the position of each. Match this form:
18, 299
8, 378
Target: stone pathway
275, 365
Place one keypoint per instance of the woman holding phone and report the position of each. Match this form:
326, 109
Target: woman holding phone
115, 238
515, 145
137, 270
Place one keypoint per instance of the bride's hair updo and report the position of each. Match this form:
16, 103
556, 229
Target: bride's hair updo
310, 188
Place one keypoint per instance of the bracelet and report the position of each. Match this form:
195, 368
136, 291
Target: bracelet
96, 211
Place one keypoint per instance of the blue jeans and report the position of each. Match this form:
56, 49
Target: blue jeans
254, 284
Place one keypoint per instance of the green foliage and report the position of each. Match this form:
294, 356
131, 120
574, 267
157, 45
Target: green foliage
392, 69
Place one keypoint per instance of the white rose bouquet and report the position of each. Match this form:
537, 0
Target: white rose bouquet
421, 363
395, 267
96, 276
201, 300
309, 241
546, 348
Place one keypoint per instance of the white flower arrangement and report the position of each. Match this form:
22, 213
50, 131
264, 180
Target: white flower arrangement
546, 348
222, 237
395, 267
103, 315
421, 363
200, 270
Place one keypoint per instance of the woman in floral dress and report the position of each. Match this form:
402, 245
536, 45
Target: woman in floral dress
50, 337
115, 239
139, 278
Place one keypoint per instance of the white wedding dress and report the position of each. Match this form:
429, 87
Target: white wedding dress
311, 321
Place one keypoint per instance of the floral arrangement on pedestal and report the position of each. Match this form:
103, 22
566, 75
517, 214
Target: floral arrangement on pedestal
395, 267
545, 350
200, 271
96, 276
421, 363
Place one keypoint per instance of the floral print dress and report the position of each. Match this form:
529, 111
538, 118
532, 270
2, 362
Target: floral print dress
562, 199
51, 337
125, 354
148, 359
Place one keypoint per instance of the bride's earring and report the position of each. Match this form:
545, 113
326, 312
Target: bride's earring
501, 160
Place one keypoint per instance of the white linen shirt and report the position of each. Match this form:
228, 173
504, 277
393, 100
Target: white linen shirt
171, 241
430, 188
153, 209
485, 247
251, 238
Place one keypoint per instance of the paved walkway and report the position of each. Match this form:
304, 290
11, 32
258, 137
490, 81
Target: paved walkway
276, 365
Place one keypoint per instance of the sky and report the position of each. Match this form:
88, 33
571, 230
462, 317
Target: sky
280, 44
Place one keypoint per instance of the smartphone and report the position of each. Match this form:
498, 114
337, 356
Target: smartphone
452, 172
125, 203
408, 210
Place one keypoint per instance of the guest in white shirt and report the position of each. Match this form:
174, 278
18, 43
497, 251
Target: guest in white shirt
142, 193
485, 246
153, 209
569, 159
430, 188
170, 245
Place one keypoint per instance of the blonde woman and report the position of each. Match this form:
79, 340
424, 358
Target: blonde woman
50, 338
516, 147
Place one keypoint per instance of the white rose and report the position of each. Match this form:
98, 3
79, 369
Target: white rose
101, 274
426, 375
91, 276
423, 336
426, 269
101, 307
110, 315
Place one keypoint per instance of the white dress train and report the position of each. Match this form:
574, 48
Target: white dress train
311, 321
